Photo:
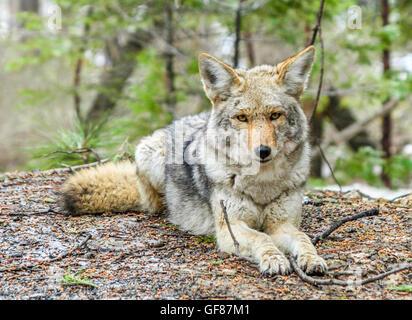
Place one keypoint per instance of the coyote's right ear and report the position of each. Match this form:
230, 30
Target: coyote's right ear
217, 77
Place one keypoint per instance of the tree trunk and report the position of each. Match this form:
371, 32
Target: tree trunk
354, 129
250, 49
170, 73
29, 5
316, 135
387, 119
16, 6
114, 79
342, 118
238, 28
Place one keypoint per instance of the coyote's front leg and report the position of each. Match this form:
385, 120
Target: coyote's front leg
253, 245
281, 223
290, 240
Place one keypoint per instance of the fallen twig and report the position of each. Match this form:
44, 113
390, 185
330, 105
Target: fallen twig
330, 281
401, 196
230, 229
74, 168
29, 214
59, 257
339, 223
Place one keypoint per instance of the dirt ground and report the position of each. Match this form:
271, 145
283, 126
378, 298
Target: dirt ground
45, 254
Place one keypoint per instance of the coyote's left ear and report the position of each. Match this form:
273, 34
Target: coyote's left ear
293, 72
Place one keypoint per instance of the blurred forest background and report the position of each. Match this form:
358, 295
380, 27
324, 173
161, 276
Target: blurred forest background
84, 80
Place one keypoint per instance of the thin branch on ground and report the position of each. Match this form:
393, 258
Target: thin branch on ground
330, 281
74, 168
29, 214
229, 227
42, 263
339, 223
401, 196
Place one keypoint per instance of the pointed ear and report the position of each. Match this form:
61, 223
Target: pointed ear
217, 77
293, 72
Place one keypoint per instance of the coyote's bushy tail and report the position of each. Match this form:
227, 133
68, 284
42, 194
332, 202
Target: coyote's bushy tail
112, 187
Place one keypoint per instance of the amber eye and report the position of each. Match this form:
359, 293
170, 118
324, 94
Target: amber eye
242, 118
275, 116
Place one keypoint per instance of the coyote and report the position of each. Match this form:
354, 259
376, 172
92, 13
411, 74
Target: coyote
251, 151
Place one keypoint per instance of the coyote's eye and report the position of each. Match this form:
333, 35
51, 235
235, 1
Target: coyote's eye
242, 118
275, 116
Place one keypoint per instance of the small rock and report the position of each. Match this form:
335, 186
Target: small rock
353, 194
90, 255
373, 257
16, 255
223, 255
405, 200
343, 257
156, 244
335, 265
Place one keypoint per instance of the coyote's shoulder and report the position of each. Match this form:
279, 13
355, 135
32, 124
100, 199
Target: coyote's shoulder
251, 151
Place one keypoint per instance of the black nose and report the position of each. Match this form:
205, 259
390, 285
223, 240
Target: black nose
263, 152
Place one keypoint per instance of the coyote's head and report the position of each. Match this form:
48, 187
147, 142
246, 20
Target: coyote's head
257, 114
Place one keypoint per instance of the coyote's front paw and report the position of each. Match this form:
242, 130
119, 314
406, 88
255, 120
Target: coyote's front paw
312, 263
274, 263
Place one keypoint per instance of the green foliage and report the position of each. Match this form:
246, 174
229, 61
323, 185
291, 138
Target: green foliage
70, 279
399, 169
146, 98
364, 165
206, 239
403, 287
75, 146
367, 165
352, 59
314, 183
144, 102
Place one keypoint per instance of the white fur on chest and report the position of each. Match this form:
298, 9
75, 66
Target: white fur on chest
271, 182
259, 190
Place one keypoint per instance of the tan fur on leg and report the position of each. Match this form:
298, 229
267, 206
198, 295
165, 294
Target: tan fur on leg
151, 201
253, 245
290, 240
